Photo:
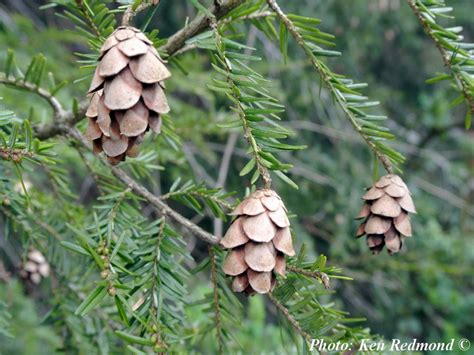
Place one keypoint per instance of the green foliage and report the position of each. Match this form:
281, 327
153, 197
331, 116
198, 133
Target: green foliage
251, 99
345, 92
26, 334
125, 278
456, 53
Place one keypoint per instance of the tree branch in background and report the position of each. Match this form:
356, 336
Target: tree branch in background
338, 90
441, 38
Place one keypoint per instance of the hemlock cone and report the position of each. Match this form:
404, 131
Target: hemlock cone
36, 267
127, 94
386, 208
258, 238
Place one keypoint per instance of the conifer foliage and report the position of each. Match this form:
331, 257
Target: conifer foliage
138, 269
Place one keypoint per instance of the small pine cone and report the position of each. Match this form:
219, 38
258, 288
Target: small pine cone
36, 267
385, 214
127, 94
258, 239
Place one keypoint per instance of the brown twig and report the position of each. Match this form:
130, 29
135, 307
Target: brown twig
294, 323
323, 277
444, 55
202, 21
130, 12
327, 81
161, 207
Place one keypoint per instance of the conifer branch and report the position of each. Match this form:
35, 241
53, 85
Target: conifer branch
294, 323
161, 207
90, 20
217, 311
444, 49
201, 22
328, 79
22, 85
154, 311
262, 169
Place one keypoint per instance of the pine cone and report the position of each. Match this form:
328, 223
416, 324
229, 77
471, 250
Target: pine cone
127, 94
386, 209
36, 267
258, 238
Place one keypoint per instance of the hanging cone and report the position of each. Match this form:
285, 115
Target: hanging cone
258, 239
36, 267
385, 214
127, 94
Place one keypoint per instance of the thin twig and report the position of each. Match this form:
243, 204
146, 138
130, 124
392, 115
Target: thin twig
161, 207
327, 80
444, 55
130, 13
235, 93
226, 21
294, 323
202, 21
323, 277
20, 84
85, 13
217, 310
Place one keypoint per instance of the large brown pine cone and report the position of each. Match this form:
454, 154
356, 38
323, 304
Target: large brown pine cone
258, 238
35, 267
385, 213
127, 94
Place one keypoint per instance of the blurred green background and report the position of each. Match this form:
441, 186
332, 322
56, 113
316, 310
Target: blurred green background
426, 291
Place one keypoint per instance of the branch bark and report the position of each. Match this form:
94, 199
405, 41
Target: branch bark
130, 12
294, 323
161, 207
219, 9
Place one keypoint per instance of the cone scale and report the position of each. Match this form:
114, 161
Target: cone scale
385, 214
36, 267
127, 94
258, 240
